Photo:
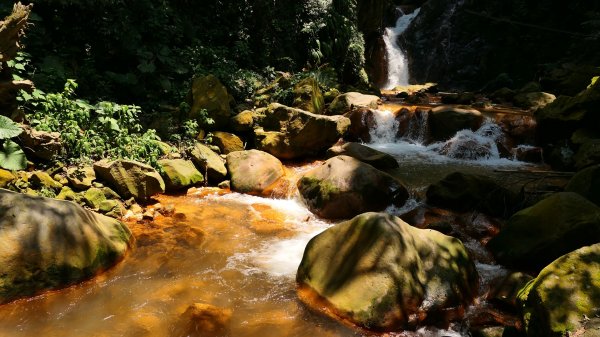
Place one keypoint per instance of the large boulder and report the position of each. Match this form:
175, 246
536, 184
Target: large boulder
49, 244
289, 133
179, 174
586, 183
209, 162
130, 178
346, 102
465, 192
377, 159
383, 274
446, 121
253, 171
565, 296
209, 94
343, 187
535, 236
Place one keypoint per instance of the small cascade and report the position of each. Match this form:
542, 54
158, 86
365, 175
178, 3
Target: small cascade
418, 127
469, 145
396, 59
385, 128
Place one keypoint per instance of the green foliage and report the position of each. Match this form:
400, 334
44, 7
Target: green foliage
92, 132
12, 156
8, 128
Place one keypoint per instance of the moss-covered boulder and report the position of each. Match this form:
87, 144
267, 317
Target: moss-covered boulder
208, 162
227, 142
535, 236
465, 192
343, 187
247, 119
377, 159
81, 178
130, 178
49, 244
586, 183
179, 174
446, 121
533, 100
253, 171
40, 179
209, 94
344, 103
565, 296
308, 96
93, 197
383, 274
289, 133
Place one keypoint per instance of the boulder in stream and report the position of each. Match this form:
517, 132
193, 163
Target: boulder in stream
253, 171
208, 162
49, 244
179, 174
346, 102
379, 160
446, 121
343, 187
130, 178
383, 274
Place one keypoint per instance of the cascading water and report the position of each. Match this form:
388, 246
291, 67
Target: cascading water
396, 59
385, 128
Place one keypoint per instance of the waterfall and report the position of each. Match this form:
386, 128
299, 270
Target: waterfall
385, 128
397, 62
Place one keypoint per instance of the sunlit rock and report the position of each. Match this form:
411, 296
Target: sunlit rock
345, 102
253, 171
179, 174
130, 178
383, 274
208, 162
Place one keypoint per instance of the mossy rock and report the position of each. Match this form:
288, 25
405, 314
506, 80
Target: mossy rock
253, 171
93, 197
564, 296
130, 178
533, 100
179, 174
208, 162
308, 96
41, 179
6, 177
66, 193
211, 95
587, 184
227, 142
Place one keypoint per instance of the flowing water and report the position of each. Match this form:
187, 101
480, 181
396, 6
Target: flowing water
396, 59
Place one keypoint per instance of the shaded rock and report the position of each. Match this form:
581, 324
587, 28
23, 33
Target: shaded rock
227, 142
588, 154
130, 178
308, 96
530, 154
506, 289
535, 236
41, 179
446, 121
587, 184
81, 178
379, 272
6, 177
457, 97
464, 192
377, 159
565, 297
253, 171
209, 94
346, 102
362, 120
41, 144
343, 187
208, 162
179, 174
50, 244
503, 95
533, 100
290, 133
203, 320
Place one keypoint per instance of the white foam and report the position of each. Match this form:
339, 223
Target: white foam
385, 128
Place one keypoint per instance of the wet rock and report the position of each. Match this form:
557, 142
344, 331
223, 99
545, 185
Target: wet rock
378, 272
346, 102
587, 184
50, 244
203, 320
81, 178
253, 171
533, 100
289, 133
362, 120
130, 178
530, 154
535, 236
179, 174
565, 296
464, 192
208, 162
308, 96
446, 121
377, 159
209, 94
227, 142
41, 144
225, 185
343, 187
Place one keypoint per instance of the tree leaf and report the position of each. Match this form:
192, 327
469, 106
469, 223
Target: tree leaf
8, 128
12, 156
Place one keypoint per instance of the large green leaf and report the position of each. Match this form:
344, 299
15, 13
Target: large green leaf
8, 128
12, 156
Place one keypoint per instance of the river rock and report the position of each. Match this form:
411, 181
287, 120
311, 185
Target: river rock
464, 192
346, 102
565, 296
209, 94
343, 187
49, 244
586, 183
130, 178
362, 120
289, 133
535, 236
203, 320
308, 96
81, 178
533, 100
379, 272
209, 162
227, 142
377, 159
253, 171
179, 174
446, 121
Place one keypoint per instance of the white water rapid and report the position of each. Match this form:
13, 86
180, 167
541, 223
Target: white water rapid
396, 59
